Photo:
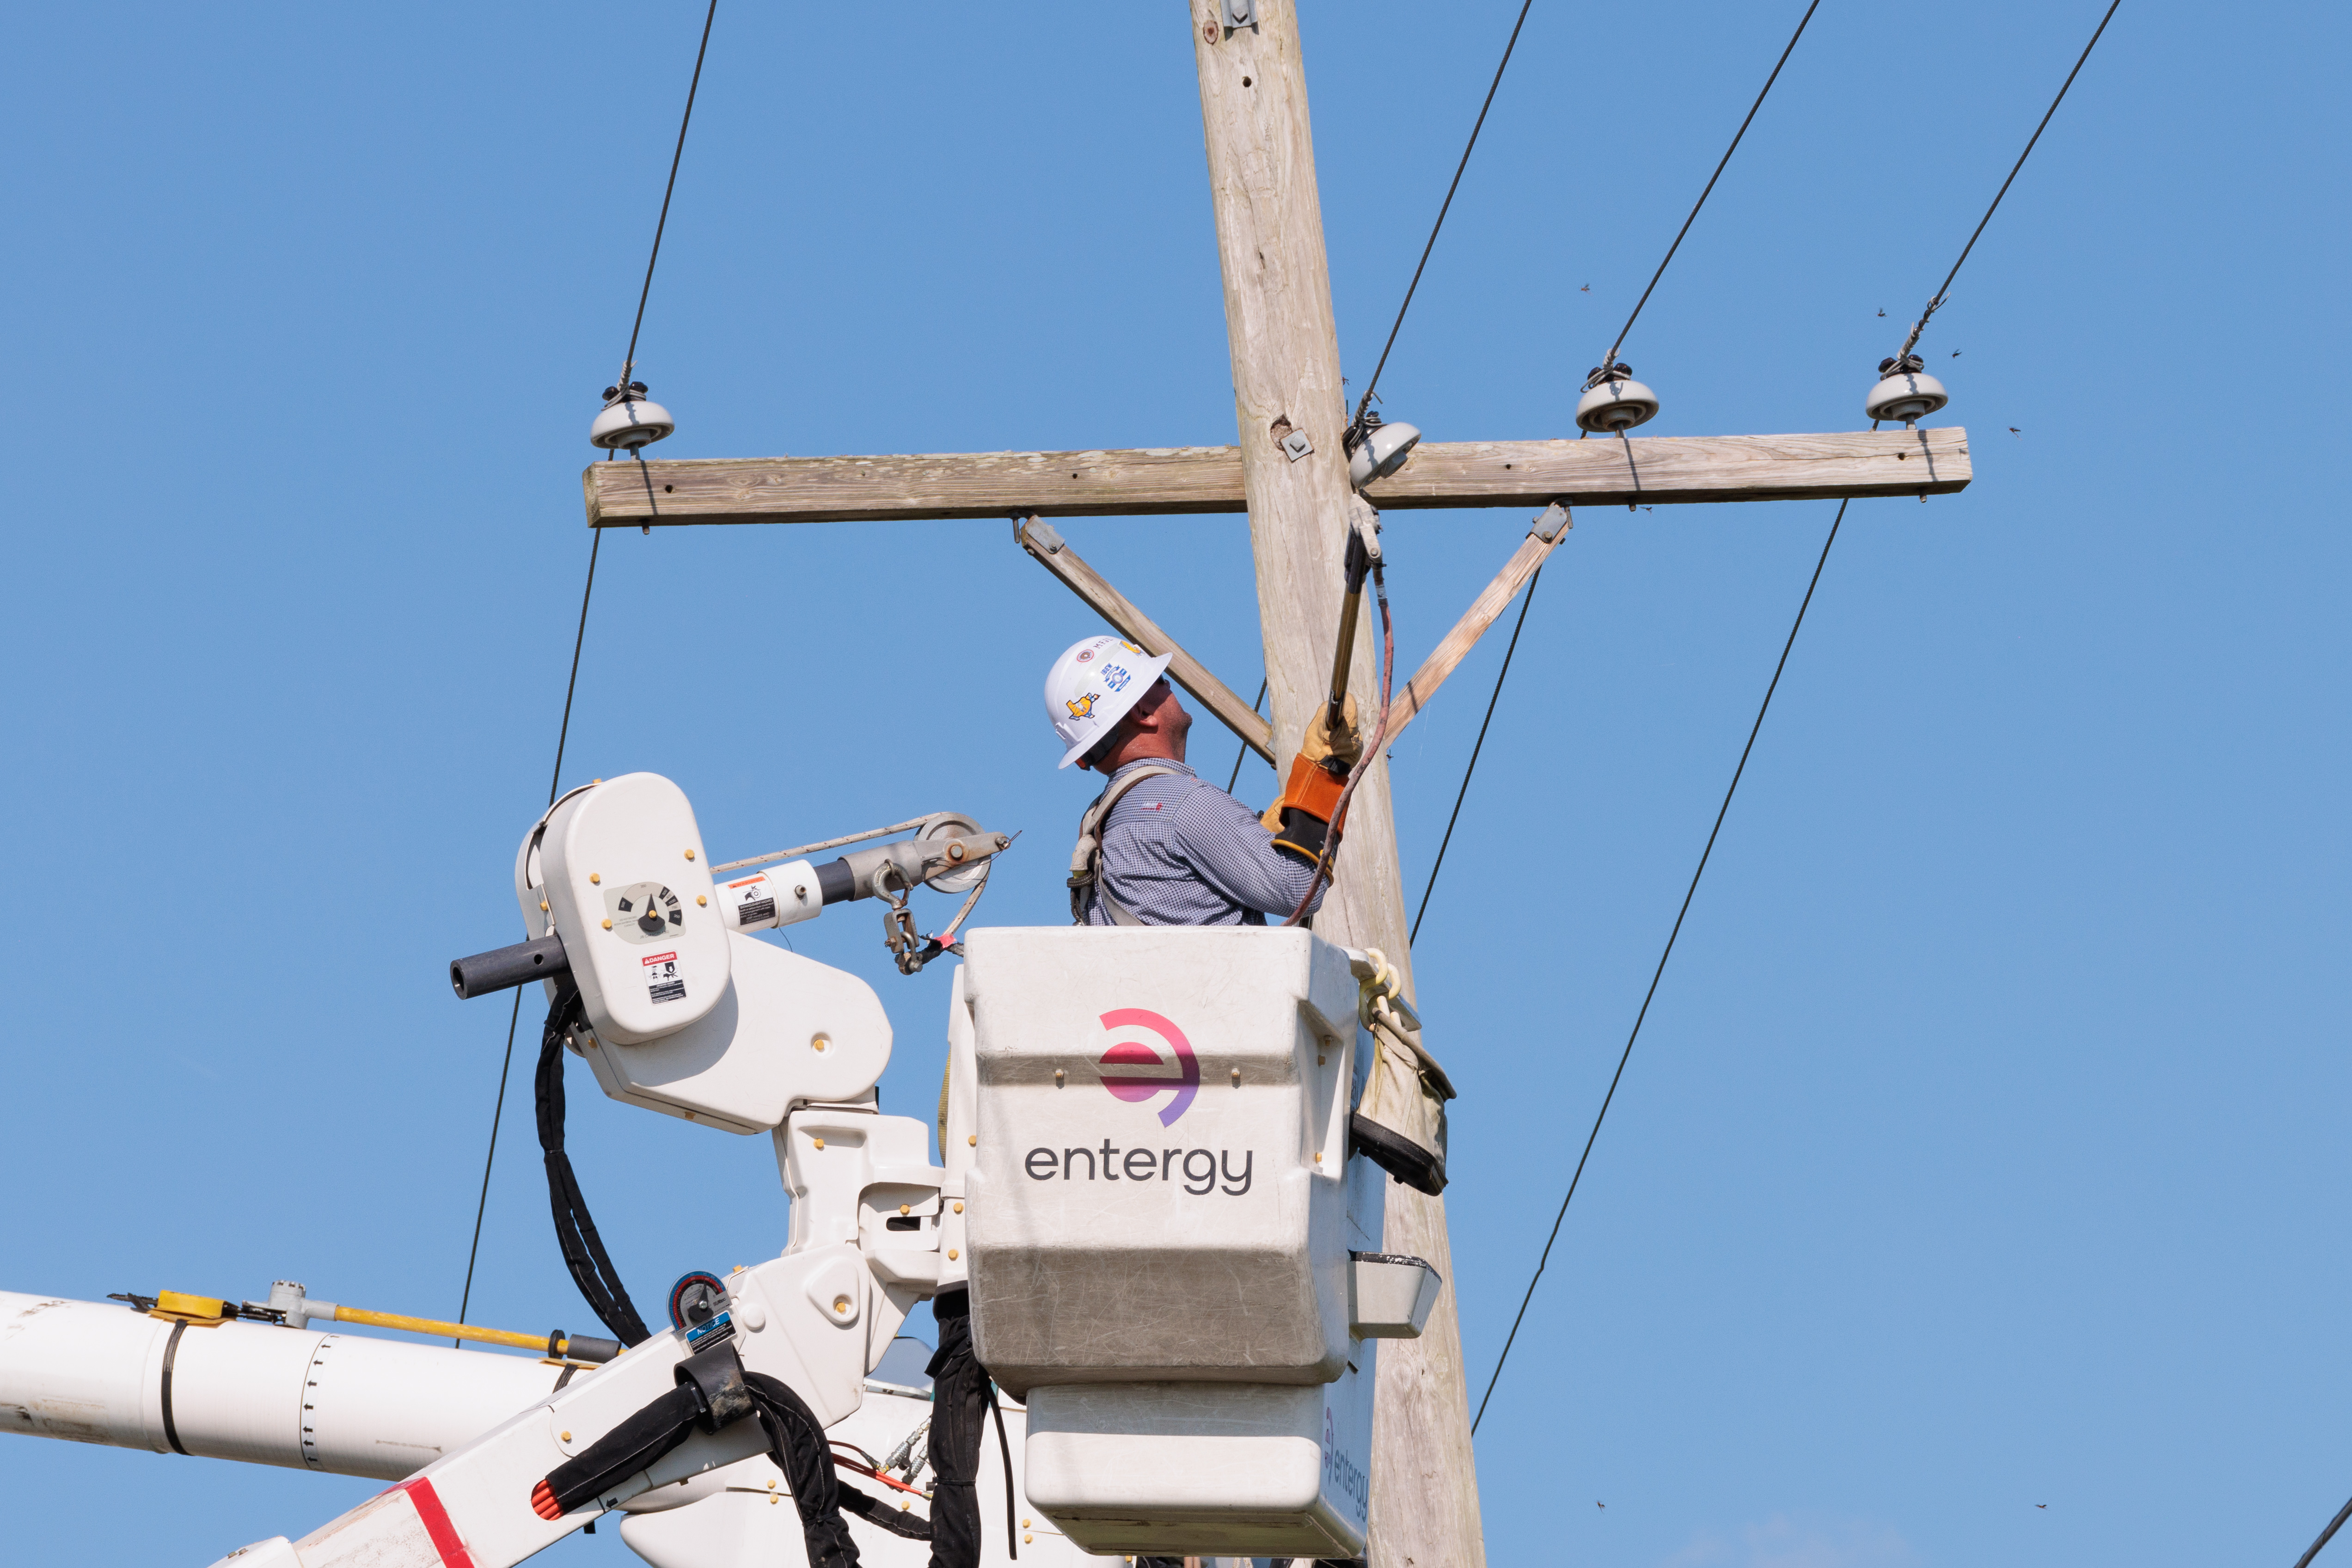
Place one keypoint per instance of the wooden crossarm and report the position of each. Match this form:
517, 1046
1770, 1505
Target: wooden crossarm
1053, 553
1491, 602
1654, 471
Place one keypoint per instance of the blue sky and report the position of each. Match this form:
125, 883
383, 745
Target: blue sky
1984, 1147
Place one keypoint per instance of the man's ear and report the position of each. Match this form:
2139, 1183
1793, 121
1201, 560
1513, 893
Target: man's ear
1148, 710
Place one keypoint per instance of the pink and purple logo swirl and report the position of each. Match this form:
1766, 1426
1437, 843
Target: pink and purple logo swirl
1135, 1070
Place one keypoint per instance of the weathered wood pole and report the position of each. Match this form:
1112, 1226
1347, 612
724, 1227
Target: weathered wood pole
1285, 354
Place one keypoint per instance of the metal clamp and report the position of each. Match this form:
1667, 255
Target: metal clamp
1034, 534
899, 932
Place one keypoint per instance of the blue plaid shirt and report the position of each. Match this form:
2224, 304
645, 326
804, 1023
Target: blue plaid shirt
1179, 851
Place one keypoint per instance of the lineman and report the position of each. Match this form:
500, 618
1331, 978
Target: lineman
1162, 846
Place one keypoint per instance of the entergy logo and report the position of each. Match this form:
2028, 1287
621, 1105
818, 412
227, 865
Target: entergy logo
1135, 1069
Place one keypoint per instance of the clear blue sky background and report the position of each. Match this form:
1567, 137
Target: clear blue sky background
1985, 1148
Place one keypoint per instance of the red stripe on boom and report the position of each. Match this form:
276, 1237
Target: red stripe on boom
445, 1539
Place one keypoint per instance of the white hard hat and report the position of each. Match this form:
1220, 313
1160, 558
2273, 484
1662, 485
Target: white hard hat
1092, 686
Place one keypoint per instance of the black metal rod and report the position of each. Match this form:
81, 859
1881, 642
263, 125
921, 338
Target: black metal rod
503, 968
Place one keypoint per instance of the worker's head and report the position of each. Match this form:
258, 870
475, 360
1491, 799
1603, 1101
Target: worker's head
1097, 687
1155, 727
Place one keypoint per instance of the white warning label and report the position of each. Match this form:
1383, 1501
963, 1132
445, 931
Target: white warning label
755, 901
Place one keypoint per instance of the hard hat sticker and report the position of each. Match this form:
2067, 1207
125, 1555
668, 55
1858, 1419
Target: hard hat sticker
664, 980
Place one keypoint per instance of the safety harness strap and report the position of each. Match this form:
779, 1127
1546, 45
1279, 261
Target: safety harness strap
1087, 883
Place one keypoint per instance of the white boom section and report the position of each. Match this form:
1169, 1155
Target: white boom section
90, 1372
817, 1319
96, 1371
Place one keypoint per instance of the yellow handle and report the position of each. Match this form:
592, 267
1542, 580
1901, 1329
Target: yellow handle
447, 1330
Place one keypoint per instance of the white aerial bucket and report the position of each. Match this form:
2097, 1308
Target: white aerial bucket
1164, 1228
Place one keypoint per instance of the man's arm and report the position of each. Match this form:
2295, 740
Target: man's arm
1225, 843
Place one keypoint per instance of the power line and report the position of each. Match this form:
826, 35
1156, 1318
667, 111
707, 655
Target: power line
629, 362
596, 539
2325, 1536
1936, 302
1611, 358
1444, 207
1663, 262
595, 543
1933, 304
1414, 935
1660, 972
1242, 756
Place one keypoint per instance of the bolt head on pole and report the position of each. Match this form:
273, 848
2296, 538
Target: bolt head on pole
629, 420
1381, 452
1615, 401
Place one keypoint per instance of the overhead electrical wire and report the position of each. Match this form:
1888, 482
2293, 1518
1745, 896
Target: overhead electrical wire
2325, 1536
1932, 305
1611, 357
1659, 973
1242, 756
1435, 866
1936, 302
580, 637
629, 360
1608, 360
562, 735
1365, 402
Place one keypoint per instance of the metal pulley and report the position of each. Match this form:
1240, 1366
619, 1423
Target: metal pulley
629, 420
1904, 391
1613, 401
1376, 449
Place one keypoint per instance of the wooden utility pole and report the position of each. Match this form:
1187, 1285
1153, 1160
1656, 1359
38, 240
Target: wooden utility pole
1286, 365
1285, 354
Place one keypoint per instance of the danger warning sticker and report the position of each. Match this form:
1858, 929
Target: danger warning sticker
664, 981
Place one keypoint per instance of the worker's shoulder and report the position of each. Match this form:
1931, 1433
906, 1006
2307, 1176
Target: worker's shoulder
1159, 796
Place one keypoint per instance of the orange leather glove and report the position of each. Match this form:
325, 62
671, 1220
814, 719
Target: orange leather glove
1300, 820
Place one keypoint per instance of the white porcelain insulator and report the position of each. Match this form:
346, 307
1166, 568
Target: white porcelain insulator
631, 423
1909, 396
1615, 405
